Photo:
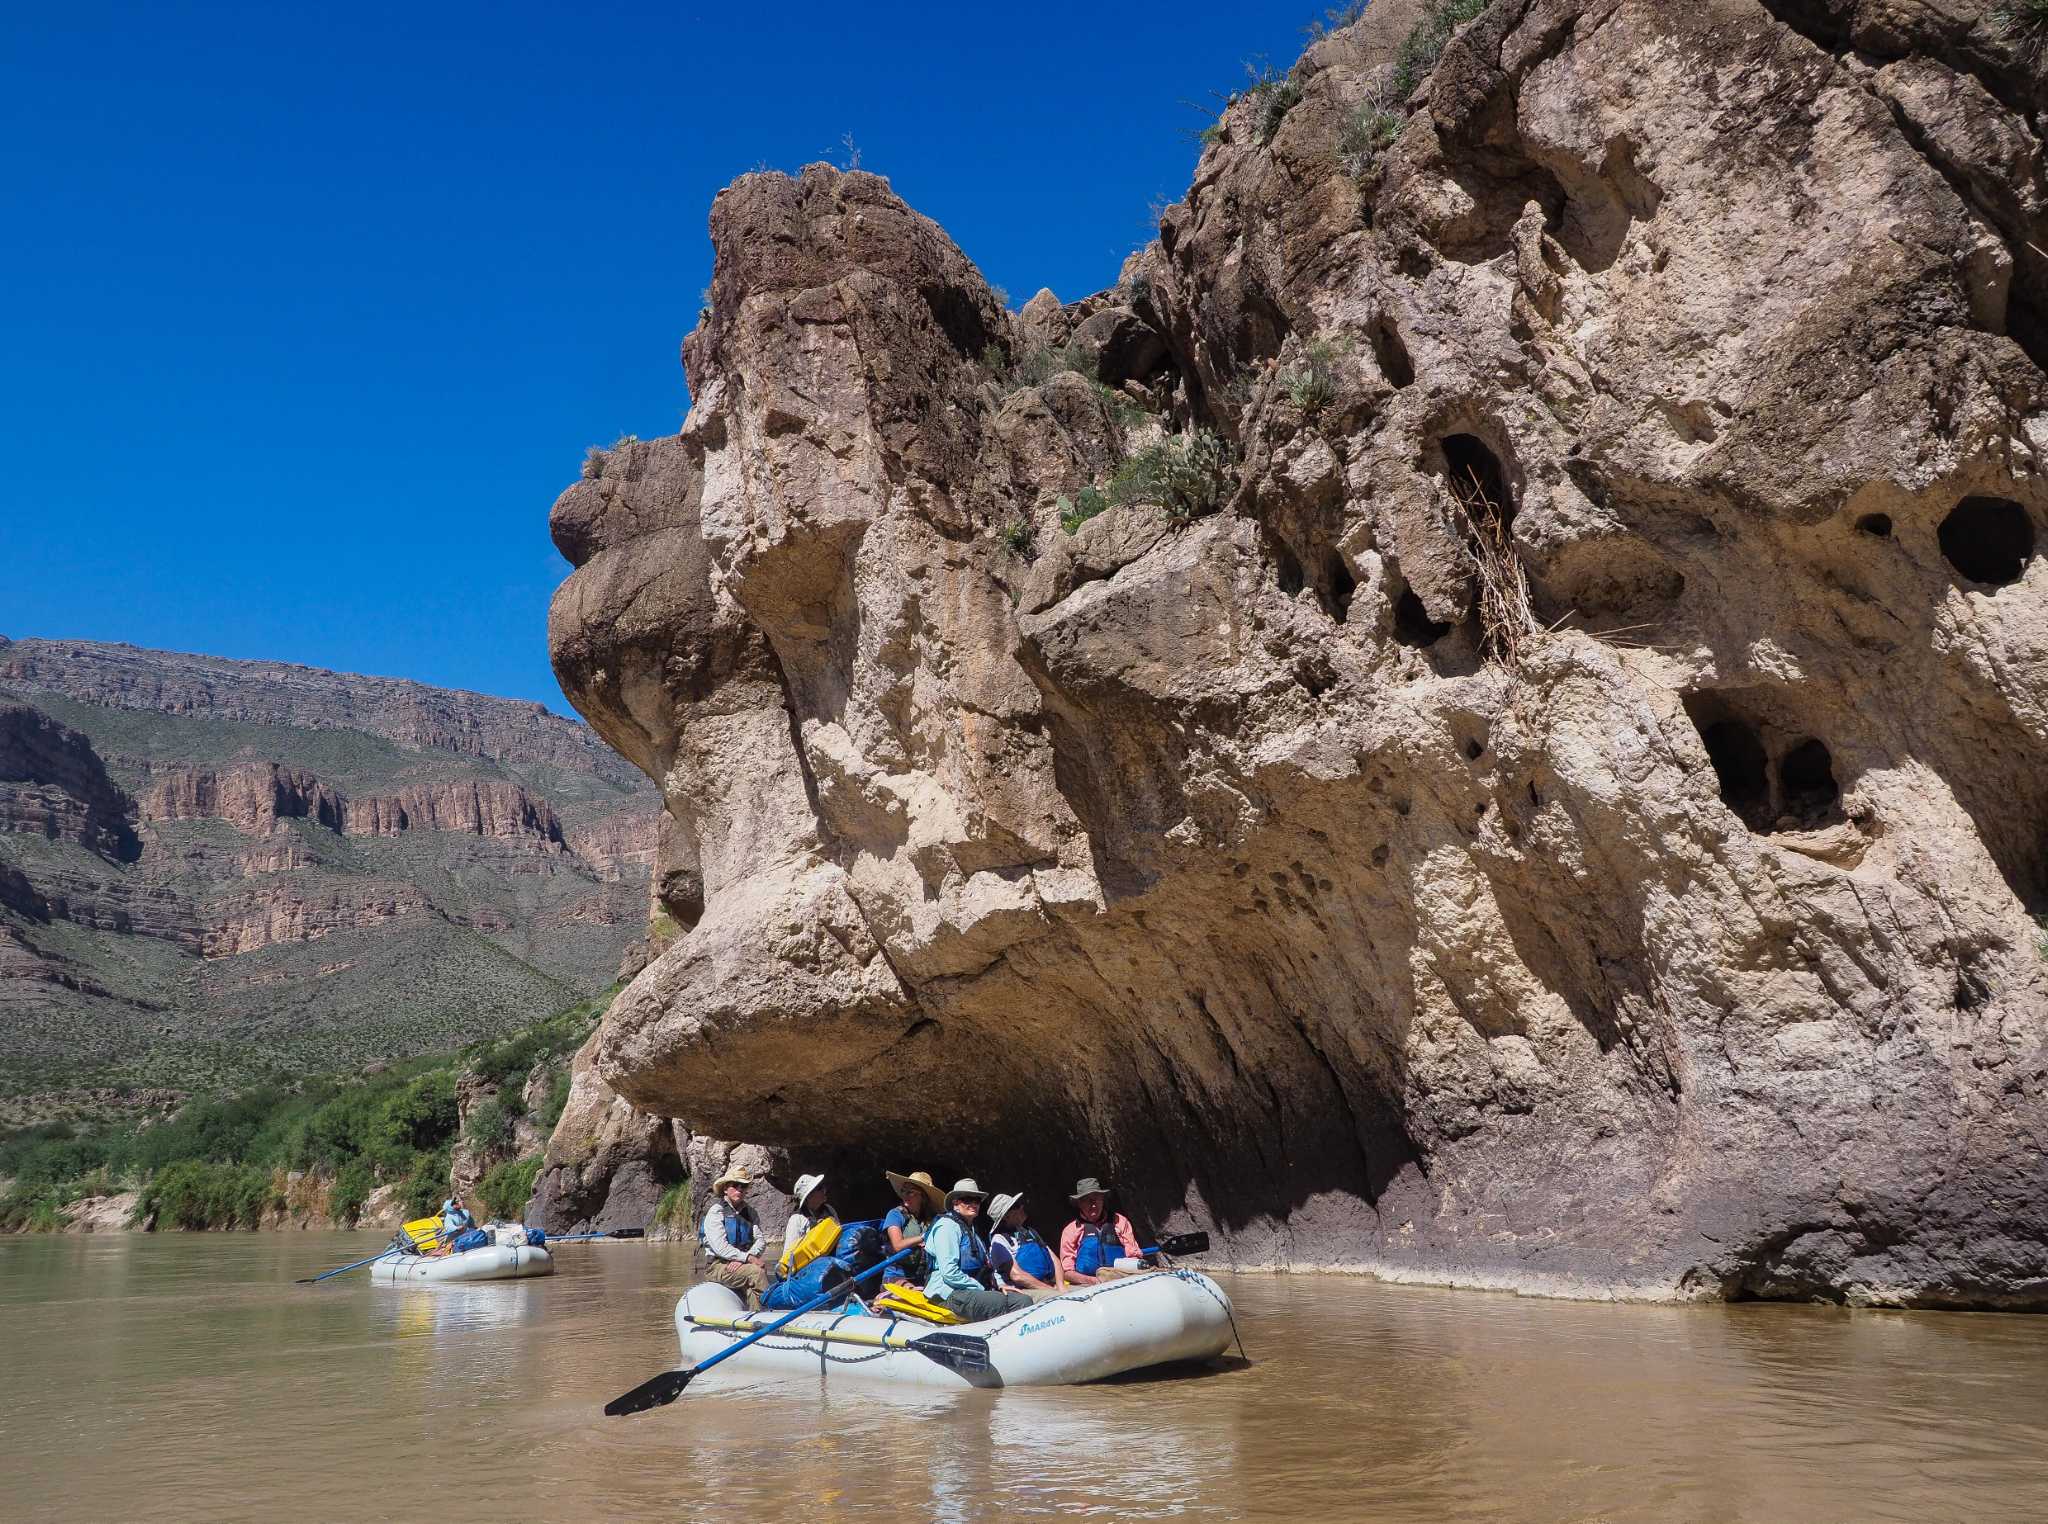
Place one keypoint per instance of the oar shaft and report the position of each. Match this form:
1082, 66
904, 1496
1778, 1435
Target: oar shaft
790, 1317
343, 1270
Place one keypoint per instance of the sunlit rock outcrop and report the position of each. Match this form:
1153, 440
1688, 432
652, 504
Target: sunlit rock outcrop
1537, 778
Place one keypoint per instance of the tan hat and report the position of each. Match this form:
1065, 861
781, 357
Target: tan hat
1089, 1186
805, 1184
999, 1208
965, 1188
922, 1180
734, 1176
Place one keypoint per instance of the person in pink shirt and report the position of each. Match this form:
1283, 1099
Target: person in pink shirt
1097, 1238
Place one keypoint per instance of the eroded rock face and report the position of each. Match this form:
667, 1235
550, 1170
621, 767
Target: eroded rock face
1663, 929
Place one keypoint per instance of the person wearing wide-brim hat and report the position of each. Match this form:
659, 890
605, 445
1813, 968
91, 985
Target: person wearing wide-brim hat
905, 1226
731, 1238
808, 1206
1023, 1261
962, 1273
1097, 1238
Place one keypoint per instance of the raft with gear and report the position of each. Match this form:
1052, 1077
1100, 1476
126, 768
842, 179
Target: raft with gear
1159, 1317
497, 1251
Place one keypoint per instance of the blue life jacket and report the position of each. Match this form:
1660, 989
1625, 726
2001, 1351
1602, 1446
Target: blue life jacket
974, 1259
739, 1231
1032, 1256
1099, 1246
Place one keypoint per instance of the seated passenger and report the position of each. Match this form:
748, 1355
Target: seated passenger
811, 1208
906, 1224
962, 1278
1022, 1260
1092, 1244
731, 1236
455, 1220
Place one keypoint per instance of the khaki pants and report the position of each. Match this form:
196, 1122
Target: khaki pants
750, 1280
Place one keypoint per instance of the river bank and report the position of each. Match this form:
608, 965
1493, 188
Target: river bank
165, 1374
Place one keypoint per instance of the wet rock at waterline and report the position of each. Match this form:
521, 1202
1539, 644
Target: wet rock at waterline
1539, 780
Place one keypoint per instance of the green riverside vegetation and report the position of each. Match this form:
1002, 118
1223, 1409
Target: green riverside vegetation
226, 1162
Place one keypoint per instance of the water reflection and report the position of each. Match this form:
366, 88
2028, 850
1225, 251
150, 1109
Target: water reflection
186, 1377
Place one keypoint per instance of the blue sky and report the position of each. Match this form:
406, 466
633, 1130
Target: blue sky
309, 317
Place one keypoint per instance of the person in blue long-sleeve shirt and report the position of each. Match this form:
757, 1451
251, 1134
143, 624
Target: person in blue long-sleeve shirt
961, 1278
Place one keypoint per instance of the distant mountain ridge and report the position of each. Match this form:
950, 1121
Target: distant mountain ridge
214, 869
119, 676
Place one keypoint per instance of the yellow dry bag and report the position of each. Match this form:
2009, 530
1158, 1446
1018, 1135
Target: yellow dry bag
425, 1233
823, 1238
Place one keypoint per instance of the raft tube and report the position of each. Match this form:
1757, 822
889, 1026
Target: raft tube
1082, 1335
511, 1257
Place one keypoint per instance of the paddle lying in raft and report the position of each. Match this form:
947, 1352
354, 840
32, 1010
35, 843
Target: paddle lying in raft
668, 1386
958, 1352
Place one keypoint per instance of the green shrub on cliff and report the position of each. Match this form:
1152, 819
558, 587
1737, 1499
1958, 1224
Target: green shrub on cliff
673, 1210
490, 1129
505, 1191
192, 1194
353, 1183
558, 1099
1427, 39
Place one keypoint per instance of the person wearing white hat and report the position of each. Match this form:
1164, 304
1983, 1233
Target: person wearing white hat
811, 1207
962, 1275
731, 1236
1022, 1259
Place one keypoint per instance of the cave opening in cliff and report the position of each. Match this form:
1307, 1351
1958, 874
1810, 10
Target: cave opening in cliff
1392, 354
1287, 569
1806, 782
1988, 539
1877, 525
1741, 765
1341, 584
1477, 479
1412, 624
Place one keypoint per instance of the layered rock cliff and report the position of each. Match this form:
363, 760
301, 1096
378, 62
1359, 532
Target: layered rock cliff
267, 872
1480, 716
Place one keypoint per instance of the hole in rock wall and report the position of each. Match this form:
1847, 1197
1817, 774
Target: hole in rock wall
1288, 570
1392, 354
1412, 624
1806, 783
1773, 776
1988, 539
1340, 585
1742, 768
1877, 524
1477, 479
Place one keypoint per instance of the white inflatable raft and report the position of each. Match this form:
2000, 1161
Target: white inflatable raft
507, 1257
1084, 1335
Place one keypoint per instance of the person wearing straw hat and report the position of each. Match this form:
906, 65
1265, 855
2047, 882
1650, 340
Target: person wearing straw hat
1097, 1238
962, 1275
731, 1236
906, 1225
1021, 1258
810, 1207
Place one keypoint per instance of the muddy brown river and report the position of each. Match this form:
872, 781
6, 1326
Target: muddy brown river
185, 1377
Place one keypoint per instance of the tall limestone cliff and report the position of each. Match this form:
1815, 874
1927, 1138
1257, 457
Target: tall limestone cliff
210, 870
1482, 716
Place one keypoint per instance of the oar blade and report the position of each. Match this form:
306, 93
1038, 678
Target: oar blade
659, 1392
965, 1353
1185, 1243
